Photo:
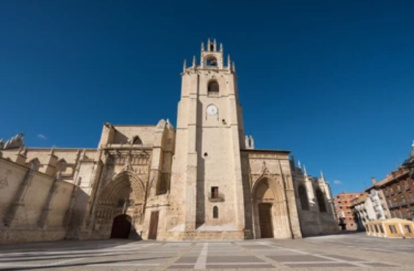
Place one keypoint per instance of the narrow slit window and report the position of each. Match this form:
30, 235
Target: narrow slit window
215, 212
213, 88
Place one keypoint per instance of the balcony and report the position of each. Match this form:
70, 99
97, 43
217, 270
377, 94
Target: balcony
216, 198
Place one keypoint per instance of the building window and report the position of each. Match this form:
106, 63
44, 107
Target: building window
213, 88
392, 229
214, 192
321, 201
381, 228
215, 212
376, 228
407, 228
303, 197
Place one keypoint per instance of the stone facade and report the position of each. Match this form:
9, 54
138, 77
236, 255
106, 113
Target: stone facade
203, 180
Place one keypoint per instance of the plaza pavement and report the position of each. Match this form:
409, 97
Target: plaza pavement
339, 252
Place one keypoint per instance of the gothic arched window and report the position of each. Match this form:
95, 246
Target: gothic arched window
213, 88
215, 212
303, 196
321, 201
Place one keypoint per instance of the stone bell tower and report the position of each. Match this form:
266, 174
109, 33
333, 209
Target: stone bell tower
206, 200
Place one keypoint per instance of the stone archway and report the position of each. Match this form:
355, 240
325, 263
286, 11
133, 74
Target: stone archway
122, 199
269, 209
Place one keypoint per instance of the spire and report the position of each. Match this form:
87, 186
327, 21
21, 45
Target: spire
228, 62
202, 47
215, 45
221, 47
304, 171
299, 165
234, 67
194, 62
208, 44
322, 176
184, 65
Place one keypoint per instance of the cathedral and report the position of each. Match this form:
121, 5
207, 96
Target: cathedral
203, 180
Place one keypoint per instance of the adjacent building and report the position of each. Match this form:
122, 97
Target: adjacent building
343, 207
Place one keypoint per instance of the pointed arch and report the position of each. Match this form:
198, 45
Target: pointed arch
273, 185
303, 196
136, 140
123, 183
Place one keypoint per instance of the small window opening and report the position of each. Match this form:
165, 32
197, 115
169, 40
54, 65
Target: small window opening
215, 212
214, 192
211, 47
205, 154
213, 88
136, 140
392, 229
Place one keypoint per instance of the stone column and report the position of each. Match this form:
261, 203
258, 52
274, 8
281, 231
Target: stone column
20, 194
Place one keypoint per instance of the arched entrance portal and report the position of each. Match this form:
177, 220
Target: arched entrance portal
270, 212
121, 227
120, 207
263, 198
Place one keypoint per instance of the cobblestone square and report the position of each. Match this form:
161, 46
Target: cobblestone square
339, 252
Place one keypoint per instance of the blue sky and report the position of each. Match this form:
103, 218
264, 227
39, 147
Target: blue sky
331, 81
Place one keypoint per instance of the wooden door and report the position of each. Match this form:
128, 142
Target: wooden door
265, 220
153, 226
121, 227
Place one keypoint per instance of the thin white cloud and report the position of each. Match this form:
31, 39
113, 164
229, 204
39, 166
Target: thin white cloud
41, 136
337, 182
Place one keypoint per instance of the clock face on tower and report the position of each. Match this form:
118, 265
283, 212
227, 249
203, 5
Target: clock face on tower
212, 109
